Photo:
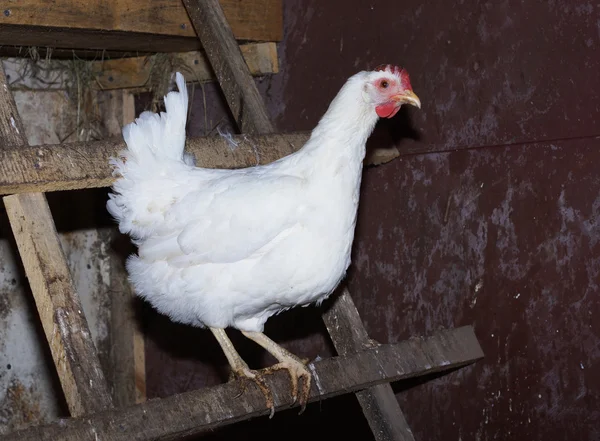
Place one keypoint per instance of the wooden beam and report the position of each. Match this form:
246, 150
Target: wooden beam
41, 53
46, 267
58, 304
12, 132
195, 412
246, 105
134, 72
128, 25
378, 403
127, 345
261, 59
92, 39
128, 357
78, 165
85, 165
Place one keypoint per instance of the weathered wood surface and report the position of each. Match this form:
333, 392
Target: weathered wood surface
135, 72
58, 304
205, 409
128, 349
246, 105
85, 165
127, 355
65, 54
129, 25
92, 40
46, 267
12, 131
379, 403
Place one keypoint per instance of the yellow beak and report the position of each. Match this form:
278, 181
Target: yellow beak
408, 97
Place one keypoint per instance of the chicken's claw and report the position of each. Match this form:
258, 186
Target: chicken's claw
244, 375
297, 370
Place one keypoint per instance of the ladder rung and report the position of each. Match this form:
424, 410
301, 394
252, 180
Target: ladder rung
205, 409
79, 165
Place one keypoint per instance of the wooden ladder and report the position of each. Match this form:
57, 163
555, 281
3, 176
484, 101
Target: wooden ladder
361, 366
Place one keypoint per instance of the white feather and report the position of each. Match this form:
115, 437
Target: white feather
233, 247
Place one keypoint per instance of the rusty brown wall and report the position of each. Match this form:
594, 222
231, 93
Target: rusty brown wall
504, 236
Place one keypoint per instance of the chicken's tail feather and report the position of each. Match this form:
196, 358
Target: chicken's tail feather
155, 137
155, 144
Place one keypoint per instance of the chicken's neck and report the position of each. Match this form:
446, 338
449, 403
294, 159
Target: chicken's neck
340, 138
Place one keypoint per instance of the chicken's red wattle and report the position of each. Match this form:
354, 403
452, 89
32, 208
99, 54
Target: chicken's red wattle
387, 110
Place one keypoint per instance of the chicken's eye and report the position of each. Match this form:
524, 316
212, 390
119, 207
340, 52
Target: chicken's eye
384, 84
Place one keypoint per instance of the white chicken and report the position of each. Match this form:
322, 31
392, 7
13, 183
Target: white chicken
230, 248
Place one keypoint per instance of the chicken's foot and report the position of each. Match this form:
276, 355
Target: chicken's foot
288, 361
240, 369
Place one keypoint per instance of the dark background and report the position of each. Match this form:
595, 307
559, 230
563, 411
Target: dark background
502, 233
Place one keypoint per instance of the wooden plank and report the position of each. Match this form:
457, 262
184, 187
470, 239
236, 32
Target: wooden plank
128, 349
202, 410
36, 52
261, 59
93, 39
58, 304
133, 72
46, 267
12, 132
254, 20
378, 403
246, 105
138, 338
127, 373
78, 165
85, 165
129, 25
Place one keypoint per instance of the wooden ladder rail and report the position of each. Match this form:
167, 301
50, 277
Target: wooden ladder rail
58, 305
378, 403
203, 410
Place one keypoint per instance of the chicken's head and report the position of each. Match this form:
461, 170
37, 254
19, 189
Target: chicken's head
388, 87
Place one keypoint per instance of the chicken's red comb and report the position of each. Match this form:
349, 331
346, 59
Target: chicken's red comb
396, 70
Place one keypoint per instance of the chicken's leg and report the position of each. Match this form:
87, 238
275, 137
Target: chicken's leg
240, 369
294, 365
